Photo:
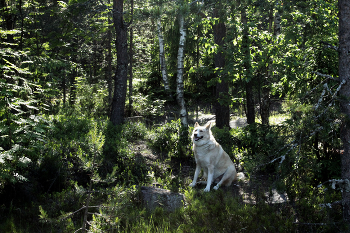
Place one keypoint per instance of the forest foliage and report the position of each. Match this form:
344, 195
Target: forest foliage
60, 152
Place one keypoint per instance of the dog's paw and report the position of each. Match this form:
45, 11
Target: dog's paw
207, 189
216, 187
192, 185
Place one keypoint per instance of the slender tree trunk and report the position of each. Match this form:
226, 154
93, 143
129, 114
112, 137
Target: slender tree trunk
344, 76
120, 79
131, 54
162, 59
73, 89
266, 80
109, 65
21, 16
275, 20
249, 82
222, 110
130, 72
64, 89
180, 68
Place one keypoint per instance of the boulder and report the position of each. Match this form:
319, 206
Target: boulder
153, 197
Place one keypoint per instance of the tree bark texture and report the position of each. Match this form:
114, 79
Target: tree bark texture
180, 68
120, 79
247, 66
162, 59
222, 110
344, 76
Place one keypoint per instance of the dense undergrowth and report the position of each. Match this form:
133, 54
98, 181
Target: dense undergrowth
86, 161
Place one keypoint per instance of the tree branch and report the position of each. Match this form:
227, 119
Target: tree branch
329, 46
291, 146
325, 75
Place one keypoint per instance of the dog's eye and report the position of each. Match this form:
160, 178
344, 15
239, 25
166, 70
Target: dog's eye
200, 130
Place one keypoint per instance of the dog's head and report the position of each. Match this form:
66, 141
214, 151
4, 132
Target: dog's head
201, 134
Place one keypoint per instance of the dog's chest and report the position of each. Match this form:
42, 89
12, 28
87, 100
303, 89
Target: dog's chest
202, 155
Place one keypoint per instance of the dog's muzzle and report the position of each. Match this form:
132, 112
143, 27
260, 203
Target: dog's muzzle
196, 138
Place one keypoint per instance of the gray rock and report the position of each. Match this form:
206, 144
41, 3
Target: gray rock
153, 197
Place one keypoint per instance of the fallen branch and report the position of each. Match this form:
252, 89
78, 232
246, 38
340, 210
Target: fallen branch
332, 99
326, 76
313, 224
292, 146
344, 184
329, 46
330, 205
322, 95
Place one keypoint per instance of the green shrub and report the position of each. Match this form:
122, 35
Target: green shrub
147, 106
165, 137
171, 139
69, 127
205, 212
118, 158
259, 144
133, 131
226, 140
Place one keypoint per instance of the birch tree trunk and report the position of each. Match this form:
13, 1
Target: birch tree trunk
222, 109
120, 83
344, 76
162, 59
180, 68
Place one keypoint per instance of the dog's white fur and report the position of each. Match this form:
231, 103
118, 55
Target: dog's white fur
211, 158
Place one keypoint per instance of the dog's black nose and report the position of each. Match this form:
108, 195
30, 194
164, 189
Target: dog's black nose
195, 135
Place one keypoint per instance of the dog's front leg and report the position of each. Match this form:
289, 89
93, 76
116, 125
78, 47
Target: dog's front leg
196, 174
210, 177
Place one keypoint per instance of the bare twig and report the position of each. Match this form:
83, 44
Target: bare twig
291, 146
68, 216
329, 46
78, 230
313, 224
326, 76
344, 184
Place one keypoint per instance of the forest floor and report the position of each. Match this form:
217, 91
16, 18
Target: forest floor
251, 190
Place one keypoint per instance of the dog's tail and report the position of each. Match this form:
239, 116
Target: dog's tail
240, 176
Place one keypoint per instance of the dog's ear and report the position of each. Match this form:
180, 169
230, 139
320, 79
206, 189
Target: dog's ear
208, 125
196, 124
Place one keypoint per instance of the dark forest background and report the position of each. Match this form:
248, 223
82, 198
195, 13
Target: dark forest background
91, 90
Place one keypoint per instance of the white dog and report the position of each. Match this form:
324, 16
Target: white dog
211, 158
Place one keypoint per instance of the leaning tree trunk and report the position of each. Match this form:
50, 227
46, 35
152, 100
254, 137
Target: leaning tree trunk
344, 76
120, 83
247, 66
180, 68
162, 59
222, 109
